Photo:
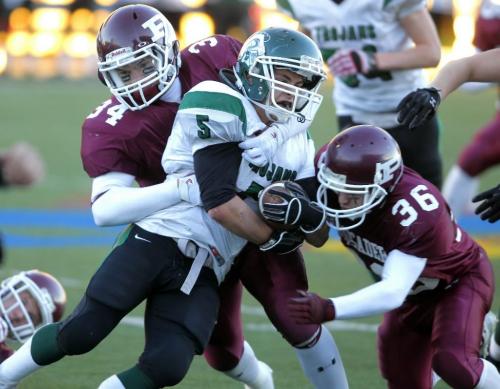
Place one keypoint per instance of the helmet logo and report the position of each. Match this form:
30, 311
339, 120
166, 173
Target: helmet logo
384, 171
118, 53
253, 49
157, 27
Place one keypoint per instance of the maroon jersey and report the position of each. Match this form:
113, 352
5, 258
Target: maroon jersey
415, 220
115, 139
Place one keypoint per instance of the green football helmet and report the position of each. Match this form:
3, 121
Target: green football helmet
280, 48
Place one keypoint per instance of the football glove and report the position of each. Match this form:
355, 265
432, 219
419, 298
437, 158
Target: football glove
283, 242
310, 308
418, 107
259, 150
347, 62
294, 209
489, 209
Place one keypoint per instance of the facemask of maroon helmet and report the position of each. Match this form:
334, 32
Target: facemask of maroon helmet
26, 291
138, 55
361, 160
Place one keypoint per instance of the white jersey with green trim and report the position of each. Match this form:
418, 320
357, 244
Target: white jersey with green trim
212, 113
370, 25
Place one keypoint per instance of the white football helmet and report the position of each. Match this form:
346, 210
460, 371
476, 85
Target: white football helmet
28, 291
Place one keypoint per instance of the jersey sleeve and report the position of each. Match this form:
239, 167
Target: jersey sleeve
308, 170
212, 116
104, 157
403, 8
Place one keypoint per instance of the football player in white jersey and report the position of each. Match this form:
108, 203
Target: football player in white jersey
376, 50
177, 257
483, 151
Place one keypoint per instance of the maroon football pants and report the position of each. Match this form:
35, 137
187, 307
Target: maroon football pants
443, 334
272, 279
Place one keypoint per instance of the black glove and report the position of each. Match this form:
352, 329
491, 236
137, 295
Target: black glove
418, 107
283, 242
489, 209
294, 209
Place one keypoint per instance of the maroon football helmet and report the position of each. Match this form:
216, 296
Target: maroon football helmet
138, 54
361, 160
45, 291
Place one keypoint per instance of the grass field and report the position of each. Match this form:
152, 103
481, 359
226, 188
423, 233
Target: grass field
49, 115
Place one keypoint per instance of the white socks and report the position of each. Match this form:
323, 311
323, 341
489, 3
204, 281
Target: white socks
322, 364
18, 365
458, 189
112, 382
490, 378
252, 372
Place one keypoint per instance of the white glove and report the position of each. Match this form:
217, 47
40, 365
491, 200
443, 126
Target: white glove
259, 150
347, 62
189, 190
4, 330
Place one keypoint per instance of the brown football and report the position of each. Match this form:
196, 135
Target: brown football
269, 198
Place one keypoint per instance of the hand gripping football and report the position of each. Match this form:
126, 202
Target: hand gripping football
280, 204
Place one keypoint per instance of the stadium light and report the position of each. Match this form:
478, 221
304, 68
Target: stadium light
49, 19
194, 26
18, 43
194, 3
82, 19
45, 43
19, 19
3, 60
53, 2
105, 3
79, 44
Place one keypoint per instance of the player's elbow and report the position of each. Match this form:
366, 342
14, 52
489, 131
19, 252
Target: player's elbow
433, 54
220, 213
102, 215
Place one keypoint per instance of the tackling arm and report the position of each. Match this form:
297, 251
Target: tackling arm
115, 201
400, 273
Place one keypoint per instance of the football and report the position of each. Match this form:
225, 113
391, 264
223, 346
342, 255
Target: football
265, 197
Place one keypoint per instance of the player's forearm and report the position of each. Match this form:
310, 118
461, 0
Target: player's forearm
399, 274
479, 68
421, 56
239, 218
123, 205
372, 300
426, 51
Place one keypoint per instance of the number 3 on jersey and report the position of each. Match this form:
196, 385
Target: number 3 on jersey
426, 201
115, 112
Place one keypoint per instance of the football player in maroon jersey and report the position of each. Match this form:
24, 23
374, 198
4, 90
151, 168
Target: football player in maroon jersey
122, 142
435, 283
28, 301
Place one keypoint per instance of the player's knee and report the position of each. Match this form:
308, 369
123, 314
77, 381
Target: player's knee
168, 363
221, 358
86, 327
453, 369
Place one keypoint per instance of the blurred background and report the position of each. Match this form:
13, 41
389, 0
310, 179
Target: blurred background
56, 38
48, 85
